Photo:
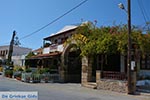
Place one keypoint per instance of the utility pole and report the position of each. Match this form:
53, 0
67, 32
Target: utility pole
9, 62
130, 91
131, 73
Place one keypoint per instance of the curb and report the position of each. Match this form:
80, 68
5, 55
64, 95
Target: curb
143, 92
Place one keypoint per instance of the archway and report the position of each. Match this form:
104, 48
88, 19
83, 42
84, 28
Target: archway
71, 64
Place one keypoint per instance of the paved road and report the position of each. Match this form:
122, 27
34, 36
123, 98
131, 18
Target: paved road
56, 91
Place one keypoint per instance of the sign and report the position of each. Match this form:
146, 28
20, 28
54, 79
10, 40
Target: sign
19, 95
132, 65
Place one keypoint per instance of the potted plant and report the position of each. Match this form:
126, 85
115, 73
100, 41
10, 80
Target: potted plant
9, 73
18, 77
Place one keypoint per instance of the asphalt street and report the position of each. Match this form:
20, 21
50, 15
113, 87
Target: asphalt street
66, 91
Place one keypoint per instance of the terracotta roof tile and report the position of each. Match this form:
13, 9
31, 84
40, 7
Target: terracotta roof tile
40, 56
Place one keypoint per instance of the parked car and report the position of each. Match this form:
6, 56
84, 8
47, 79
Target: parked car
1, 73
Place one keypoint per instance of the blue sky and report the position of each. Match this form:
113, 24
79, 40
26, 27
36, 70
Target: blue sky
26, 16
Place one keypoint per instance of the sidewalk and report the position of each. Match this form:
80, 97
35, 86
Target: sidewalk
73, 87
144, 90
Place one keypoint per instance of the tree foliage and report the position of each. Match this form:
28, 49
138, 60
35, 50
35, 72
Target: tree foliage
16, 41
109, 40
30, 54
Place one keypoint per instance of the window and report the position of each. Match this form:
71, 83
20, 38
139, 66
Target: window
6, 52
1, 53
66, 38
145, 62
59, 41
56, 41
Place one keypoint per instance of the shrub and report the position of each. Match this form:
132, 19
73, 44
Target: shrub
1, 69
28, 70
20, 69
44, 70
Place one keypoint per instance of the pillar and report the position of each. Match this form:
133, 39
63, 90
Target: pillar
84, 74
63, 76
98, 76
86, 70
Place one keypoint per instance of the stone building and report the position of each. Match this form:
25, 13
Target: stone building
51, 55
72, 67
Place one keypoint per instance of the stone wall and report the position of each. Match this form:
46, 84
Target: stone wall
112, 85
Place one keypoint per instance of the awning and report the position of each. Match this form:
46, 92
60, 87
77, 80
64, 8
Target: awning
50, 55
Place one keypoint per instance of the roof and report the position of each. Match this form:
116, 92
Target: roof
66, 28
17, 50
38, 50
50, 55
63, 30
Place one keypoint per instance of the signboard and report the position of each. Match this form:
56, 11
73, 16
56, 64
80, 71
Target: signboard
19, 95
132, 65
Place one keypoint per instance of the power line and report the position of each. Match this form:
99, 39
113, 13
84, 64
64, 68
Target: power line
144, 13
54, 20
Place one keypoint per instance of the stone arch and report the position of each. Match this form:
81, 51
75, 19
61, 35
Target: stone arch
68, 65
65, 53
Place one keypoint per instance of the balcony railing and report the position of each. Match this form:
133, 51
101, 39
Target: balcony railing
114, 75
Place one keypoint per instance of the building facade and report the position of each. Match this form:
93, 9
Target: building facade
18, 55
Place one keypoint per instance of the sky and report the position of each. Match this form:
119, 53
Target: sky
27, 16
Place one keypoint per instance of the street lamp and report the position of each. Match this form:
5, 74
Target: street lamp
121, 6
130, 85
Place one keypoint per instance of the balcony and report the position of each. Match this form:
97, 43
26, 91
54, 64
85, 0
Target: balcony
53, 48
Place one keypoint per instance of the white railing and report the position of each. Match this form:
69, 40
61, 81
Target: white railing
37, 78
50, 77
46, 50
53, 48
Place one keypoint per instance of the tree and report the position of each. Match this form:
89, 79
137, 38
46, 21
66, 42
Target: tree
16, 41
81, 37
109, 40
30, 54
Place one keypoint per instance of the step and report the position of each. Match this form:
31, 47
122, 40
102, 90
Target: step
90, 85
